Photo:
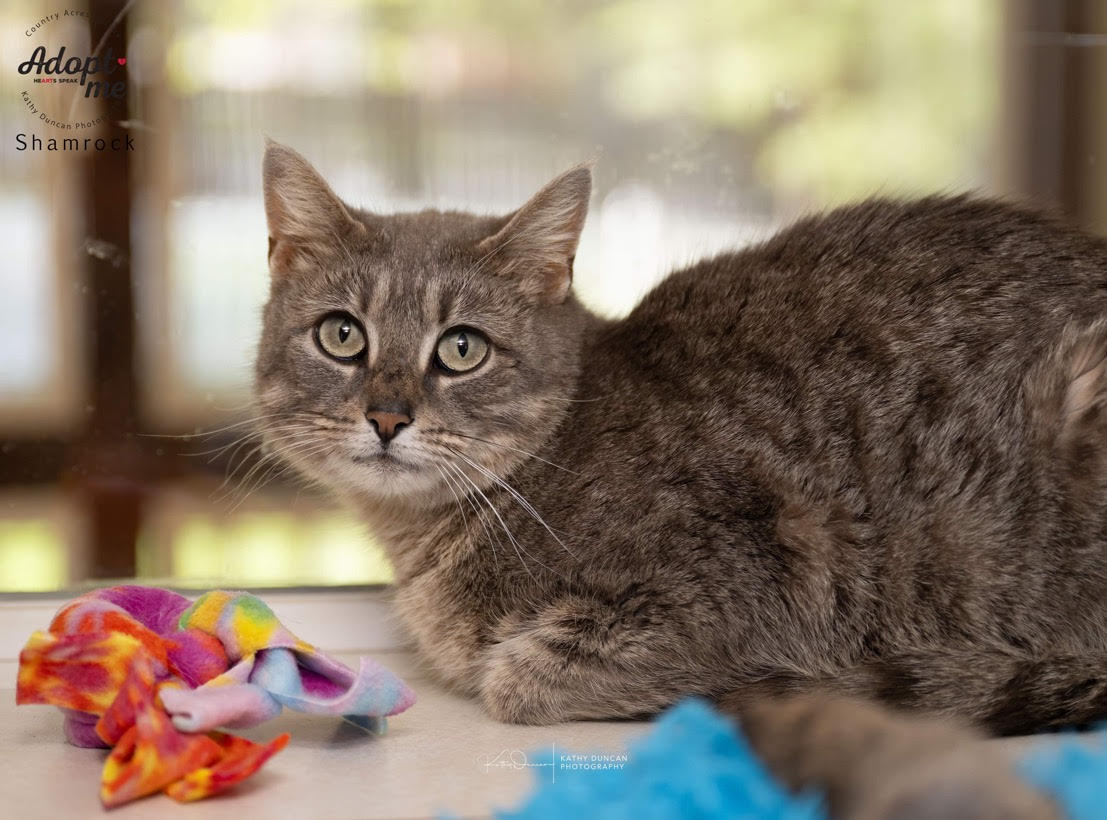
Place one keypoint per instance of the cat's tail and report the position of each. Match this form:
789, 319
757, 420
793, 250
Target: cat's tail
1001, 690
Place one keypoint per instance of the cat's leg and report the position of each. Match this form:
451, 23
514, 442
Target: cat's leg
872, 763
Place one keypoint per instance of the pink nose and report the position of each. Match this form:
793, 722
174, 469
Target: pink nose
387, 424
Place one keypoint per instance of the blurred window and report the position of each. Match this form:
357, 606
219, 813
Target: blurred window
711, 123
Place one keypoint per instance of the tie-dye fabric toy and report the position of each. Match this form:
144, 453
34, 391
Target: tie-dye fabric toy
152, 674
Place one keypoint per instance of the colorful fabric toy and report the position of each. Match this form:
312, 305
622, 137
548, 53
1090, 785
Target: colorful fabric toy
694, 763
152, 674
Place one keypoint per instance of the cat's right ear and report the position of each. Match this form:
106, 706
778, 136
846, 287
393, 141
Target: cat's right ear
306, 219
537, 246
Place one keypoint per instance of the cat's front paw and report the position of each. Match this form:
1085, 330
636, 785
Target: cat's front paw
576, 659
516, 688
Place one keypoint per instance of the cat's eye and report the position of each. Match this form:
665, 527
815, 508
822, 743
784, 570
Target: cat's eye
340, 337
460, 350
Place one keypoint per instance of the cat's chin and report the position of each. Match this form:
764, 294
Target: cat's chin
383, 460
381, 477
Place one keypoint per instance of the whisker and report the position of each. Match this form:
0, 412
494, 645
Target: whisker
233, 467
523, 502
465, 518
232, 488
515, 449
507, 531
265, 469
267, 458
459, 477
289, 441
236, 442
296, 434
274, 469
209, 433
245, 437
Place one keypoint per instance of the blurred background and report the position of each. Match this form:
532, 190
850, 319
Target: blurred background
131, 282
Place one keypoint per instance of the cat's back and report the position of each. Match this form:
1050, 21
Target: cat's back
876, 280
872, 347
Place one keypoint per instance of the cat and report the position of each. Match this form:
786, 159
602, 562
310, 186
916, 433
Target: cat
860, 463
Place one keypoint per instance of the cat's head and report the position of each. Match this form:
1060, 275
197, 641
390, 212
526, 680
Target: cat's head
400, 349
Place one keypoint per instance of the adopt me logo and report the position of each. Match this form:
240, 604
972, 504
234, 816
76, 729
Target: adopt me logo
66, 83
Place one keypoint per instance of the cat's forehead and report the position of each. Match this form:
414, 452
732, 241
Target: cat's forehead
419, 269
414, 256
429, 234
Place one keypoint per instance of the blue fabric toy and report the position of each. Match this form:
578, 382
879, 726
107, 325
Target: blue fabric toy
1074, 770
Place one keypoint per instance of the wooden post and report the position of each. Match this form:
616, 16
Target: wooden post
106, 468
1056, 59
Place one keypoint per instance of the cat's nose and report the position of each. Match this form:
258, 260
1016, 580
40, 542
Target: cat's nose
389, 422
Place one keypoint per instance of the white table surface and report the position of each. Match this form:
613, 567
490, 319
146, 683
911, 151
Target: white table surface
443, 756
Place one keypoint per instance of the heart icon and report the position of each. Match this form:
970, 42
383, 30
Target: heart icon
122, 61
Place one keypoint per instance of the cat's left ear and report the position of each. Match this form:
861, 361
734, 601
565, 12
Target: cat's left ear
537, 245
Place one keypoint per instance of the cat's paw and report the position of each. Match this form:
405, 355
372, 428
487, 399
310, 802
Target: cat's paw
575, 659
516, 685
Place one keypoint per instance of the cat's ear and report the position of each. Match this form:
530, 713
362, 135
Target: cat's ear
306, 219
537, 245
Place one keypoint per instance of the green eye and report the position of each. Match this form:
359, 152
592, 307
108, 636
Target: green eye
461, 349
340, 337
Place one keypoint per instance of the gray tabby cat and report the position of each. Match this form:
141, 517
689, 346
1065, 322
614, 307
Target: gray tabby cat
861, 462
